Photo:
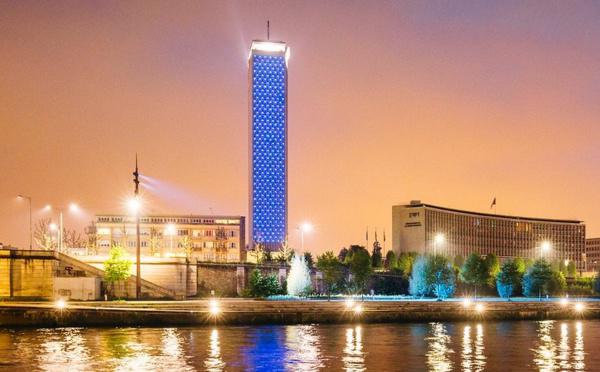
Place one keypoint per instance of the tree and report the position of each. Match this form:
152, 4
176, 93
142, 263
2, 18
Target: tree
117, 267
73, 239
92, 239
475, 271
405, 263
390, 260
332, 269
359, 263
557, 283
459, 261
535, 280
508, 279
155, 242
418, 285
597, 282
440, 276
262, 286
571, 269
186, 246
286, 253
376, 257
308, 258
492, 265
342, 255
42, 236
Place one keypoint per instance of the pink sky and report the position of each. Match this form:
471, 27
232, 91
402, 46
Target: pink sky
449, 103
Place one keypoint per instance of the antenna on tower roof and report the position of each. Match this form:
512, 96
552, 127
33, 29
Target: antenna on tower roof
268, 30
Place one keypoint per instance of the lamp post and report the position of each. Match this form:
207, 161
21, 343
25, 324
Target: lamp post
135, 204
304, 227
73, 208
21, 196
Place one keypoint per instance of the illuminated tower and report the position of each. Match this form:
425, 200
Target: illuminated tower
267, 75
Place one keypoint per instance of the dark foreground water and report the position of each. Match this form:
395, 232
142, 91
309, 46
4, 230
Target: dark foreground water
492, 346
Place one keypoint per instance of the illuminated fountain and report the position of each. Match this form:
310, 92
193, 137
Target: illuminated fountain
298, 280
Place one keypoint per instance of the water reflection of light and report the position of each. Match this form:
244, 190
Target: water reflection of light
578, 352
467, 350
354, 357
171, 343
302, 344
214, 361
439, 349
473, 357
64, 347
545, 354
479, 348
564, 350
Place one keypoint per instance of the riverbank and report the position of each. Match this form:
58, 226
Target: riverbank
250, 312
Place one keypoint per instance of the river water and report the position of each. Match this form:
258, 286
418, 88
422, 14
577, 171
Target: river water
469, 346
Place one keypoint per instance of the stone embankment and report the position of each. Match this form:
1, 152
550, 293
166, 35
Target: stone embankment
248, 312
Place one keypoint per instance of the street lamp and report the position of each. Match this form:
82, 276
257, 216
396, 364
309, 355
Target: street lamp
21, 196
439, 238
73, 208
305, 227
170, 230
544, 247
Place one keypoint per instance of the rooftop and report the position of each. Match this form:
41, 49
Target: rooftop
417, 204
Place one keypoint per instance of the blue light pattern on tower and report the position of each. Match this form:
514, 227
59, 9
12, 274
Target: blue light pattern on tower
269, 157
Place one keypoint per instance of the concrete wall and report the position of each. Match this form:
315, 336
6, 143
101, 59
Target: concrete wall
171, 273
27, 274
77, 288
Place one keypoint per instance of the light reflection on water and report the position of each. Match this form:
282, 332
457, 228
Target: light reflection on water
535, 346
353, 351
552, 354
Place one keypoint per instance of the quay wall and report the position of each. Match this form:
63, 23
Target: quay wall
248, 312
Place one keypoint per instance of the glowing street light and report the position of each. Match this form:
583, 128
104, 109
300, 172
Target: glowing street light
213, 307
73, 208
349, 303
358, 309
305, 227
60, 304
545, 247
170, 230
564, 301
134, 205
467, 302
479, 308
579, 307
438, 239
20, 197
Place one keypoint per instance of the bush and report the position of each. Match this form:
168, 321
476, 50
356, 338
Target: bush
262, 286
389, 284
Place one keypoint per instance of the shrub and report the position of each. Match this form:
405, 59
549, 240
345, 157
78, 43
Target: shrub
262, 286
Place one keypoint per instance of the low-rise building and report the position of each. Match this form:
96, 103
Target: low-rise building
426, 228
592, 254
202, 238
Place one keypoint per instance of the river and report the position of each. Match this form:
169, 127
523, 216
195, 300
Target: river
470, 346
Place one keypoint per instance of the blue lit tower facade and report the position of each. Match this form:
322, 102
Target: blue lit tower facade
268, 210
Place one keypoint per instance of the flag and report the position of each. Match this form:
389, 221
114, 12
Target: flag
376, 235
384, 235
367, 234
493, 203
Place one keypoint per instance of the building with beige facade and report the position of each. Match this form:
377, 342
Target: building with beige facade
425, 228
202, 238
592, 253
